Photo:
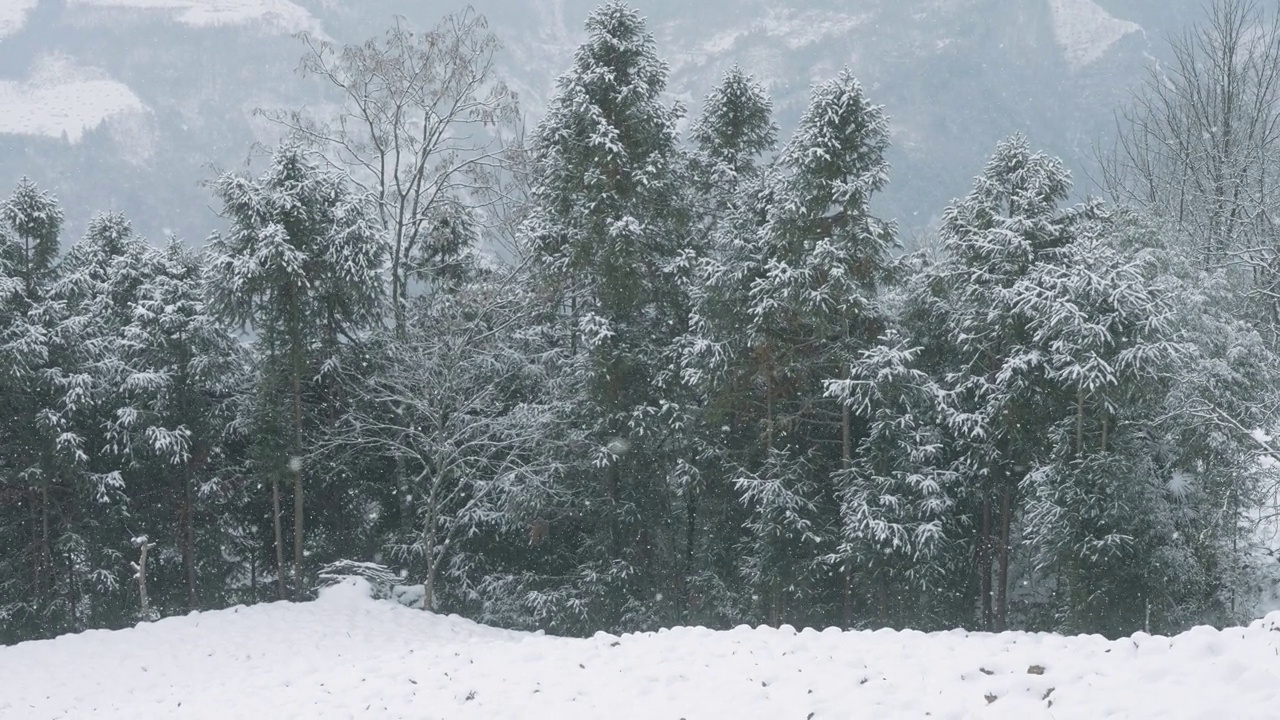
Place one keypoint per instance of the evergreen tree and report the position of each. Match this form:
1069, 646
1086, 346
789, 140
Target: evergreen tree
1007, 226
30, 226
301, 263
182, 368
608, 218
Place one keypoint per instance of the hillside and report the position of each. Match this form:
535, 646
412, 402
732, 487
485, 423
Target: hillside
130, 104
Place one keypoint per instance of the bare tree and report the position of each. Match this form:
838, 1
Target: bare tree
1199, 146
463, 409
424, 128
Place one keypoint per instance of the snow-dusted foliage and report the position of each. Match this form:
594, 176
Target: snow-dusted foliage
300, 264
608, 221
626, 381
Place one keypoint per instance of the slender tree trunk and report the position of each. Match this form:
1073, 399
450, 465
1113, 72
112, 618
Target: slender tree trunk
848, 594
984, 563
690, 542
281, 594
189, 541
846, 461
46, 548
429, 588
1002, 589
846, 440
295, 465
882, 601
142, 578
1079, 422
34, 550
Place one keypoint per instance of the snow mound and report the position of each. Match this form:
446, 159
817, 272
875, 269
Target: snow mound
63, 98
348, 656
283, 15
13, 15
347, 591
1085, 31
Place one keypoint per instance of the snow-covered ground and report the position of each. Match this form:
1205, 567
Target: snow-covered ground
346, 656
63, 98
13, 14
1085, 31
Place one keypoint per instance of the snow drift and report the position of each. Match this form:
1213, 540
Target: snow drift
346, 656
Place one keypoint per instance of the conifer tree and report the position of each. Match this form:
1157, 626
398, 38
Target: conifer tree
301, 264
608, 218
1009, 224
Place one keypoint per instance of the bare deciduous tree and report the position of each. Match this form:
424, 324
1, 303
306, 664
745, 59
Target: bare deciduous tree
1200, 144
464, 411
424, 127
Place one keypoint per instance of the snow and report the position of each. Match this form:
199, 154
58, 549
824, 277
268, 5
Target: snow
62, 97
283, 15
13, 15
1085, 31
348, 656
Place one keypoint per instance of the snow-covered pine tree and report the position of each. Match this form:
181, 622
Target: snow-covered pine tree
181, 369
301, 263
1101, 324
732, 137
608, 217
30, 226
34, 223
895, 490
1008, 224
69, 346
818, 260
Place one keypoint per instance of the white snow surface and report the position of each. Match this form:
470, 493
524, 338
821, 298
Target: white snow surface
347, 656
281, 15
61, 97
13, 15
1085, 31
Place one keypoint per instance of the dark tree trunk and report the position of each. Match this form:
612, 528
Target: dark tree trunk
1002, 589
295, 465
984, 564
281, 594
189, 541
848, 594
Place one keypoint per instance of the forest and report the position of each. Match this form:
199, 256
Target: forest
648, 367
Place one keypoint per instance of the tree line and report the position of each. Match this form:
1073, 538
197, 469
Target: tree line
612, 378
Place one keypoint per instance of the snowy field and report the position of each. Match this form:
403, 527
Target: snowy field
63, 98
346, 656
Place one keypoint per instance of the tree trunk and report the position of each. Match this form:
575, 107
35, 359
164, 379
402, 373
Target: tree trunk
984, 563
848, 594
189, 541
690, 541
1002, 589
846, 460
46, 548
279, 532
429, 588
1079, 422
882, 601
141, 567
295, 465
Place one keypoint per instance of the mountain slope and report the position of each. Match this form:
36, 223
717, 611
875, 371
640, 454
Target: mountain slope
177, 80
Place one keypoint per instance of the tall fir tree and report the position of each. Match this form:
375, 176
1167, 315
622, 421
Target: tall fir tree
301, 264
608, 219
